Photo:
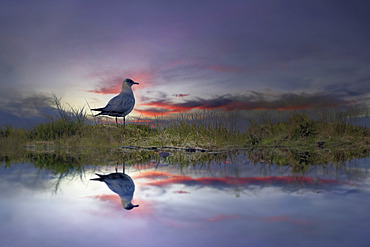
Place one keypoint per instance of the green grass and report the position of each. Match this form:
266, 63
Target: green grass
299, 130
295, 139
65, 146
73, 132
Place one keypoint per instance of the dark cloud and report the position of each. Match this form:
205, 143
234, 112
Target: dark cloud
251, 101
358, 88
36, 105
25, 111
180, 95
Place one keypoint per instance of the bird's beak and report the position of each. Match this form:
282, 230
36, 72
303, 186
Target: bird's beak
136, 83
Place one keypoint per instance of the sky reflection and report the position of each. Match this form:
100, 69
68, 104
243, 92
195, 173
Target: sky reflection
188, 207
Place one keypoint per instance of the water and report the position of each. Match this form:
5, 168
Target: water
231, 203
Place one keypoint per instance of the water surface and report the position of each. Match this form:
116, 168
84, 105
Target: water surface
230, 203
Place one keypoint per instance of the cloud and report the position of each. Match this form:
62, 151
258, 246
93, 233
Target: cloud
26, 106
251, 101
359, 90
225, 69
181, 192
111, 86
223, 217
180, 95
110, 82
161, 111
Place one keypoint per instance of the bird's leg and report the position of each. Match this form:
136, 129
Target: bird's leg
116, 121
124, 121
116, 167
123, 167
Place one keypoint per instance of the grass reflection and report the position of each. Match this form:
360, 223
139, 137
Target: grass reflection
226, 167
64, 161
301, 160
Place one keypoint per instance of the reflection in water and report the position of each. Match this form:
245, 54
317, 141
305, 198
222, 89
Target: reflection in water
227, 203
121, 184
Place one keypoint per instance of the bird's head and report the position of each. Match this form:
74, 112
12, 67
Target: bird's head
129, 82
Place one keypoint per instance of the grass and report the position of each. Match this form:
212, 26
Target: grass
295, 138
301, 131
212, 131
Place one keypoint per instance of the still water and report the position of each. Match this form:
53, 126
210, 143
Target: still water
234, 203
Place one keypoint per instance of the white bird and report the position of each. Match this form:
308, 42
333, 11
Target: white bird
121, 184
120, 105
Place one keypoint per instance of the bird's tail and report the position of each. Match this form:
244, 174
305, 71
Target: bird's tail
98, 109
100, 178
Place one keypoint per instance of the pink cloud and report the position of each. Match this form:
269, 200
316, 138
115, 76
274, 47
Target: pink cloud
180, 95
114, 202
110, 82
223, 217
181, 192
253, 101
225, 69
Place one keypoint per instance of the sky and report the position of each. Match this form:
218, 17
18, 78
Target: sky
210, 55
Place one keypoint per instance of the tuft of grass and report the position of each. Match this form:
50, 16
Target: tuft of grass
70, 122
301, 130
301, 126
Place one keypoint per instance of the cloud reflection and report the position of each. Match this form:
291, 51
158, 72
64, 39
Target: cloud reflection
162, 179
286, 219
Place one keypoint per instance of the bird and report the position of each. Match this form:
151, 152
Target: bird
120, 105
121, 184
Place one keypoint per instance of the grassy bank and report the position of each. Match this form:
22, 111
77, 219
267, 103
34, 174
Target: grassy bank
69, 142
298, 131
297, 140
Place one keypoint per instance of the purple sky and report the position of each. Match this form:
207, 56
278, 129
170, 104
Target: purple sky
229, 55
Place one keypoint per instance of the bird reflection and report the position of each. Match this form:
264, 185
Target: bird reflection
121, 184
162, 155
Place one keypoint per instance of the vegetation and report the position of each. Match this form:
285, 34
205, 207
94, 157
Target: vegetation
299, 139
301, 131
74, 130
64, 162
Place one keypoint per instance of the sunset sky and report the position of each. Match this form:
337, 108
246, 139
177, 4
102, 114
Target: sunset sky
220, 54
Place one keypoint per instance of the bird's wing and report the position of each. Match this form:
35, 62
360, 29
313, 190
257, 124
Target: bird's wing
111, 103
123, 187
120, 103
